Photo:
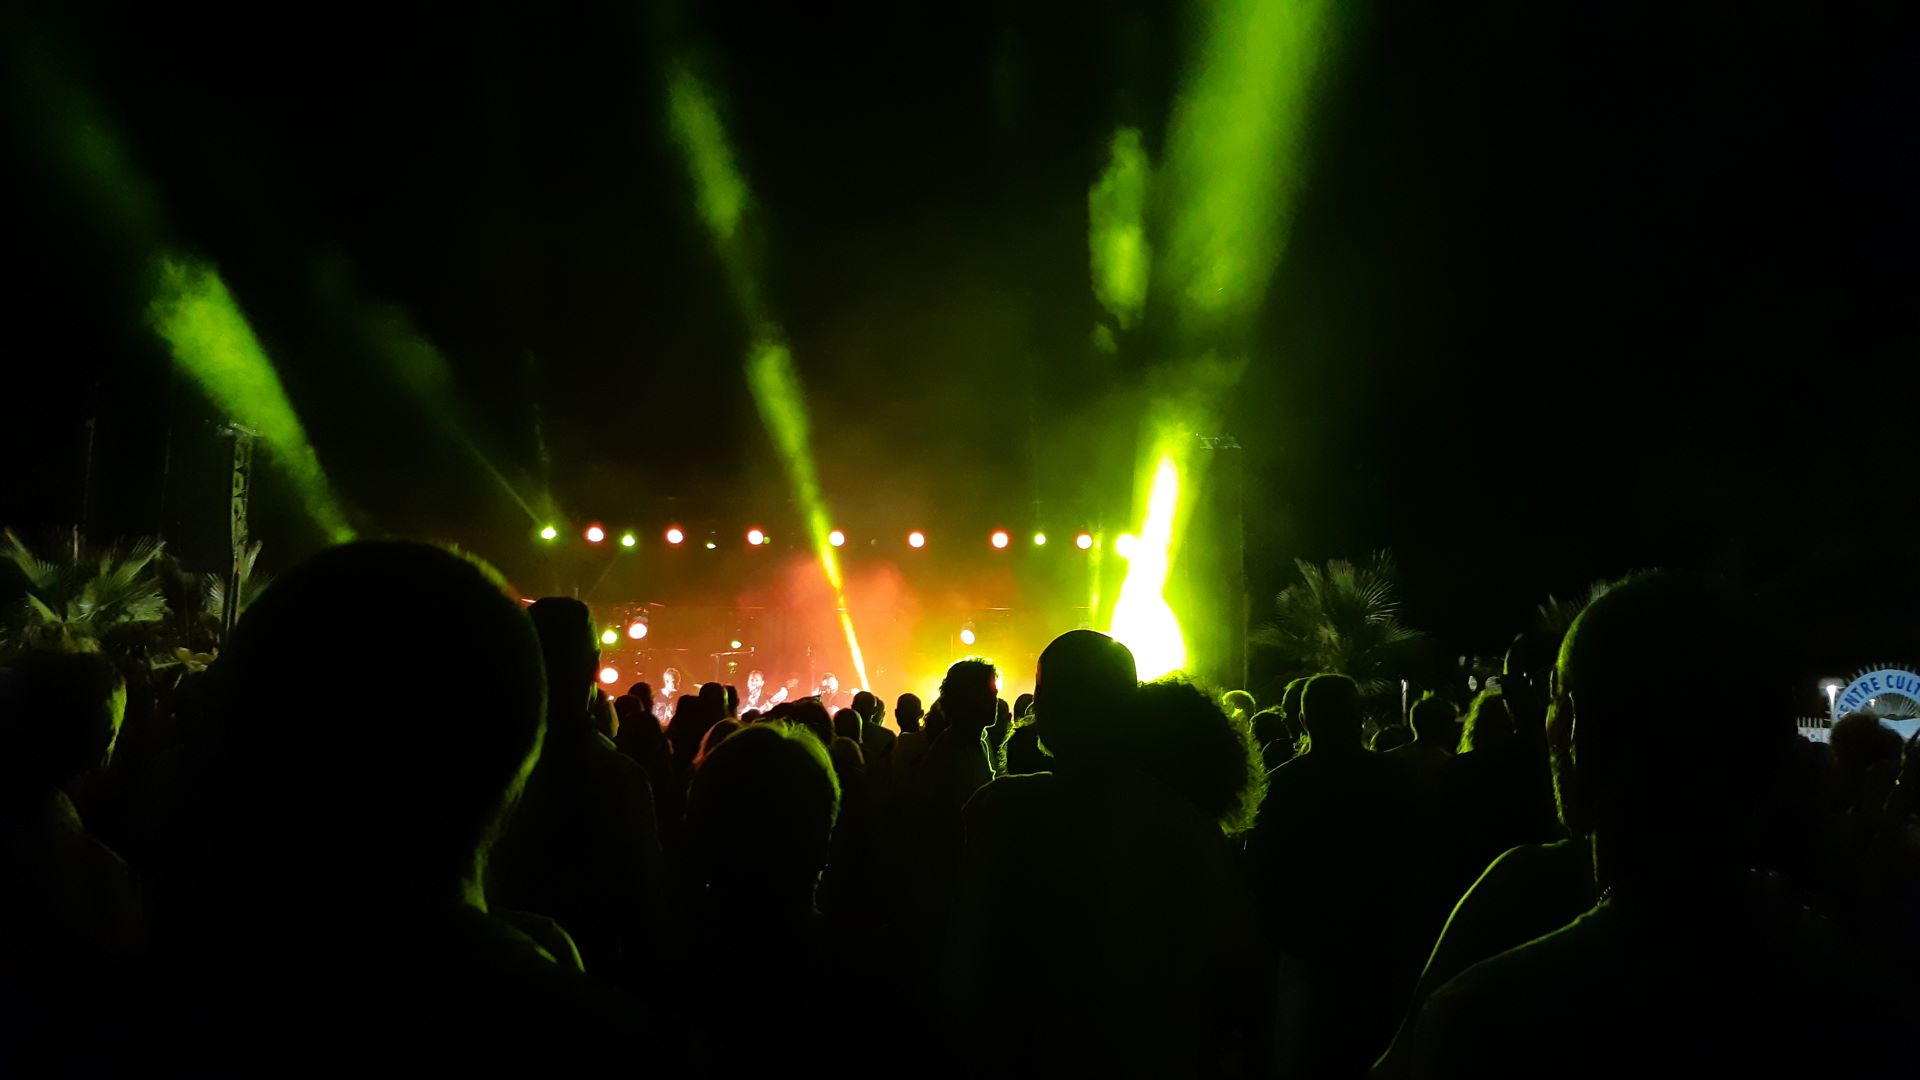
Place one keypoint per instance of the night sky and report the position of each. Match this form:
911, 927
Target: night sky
1572, 289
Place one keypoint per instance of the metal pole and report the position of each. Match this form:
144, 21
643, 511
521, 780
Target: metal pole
238, 494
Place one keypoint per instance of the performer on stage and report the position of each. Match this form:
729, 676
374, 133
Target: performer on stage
669, 693
756, 692
829, 692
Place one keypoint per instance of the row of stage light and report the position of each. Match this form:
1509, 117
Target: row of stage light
998, 539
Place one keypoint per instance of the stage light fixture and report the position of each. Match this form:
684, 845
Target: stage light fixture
637, 630
837, 538
549, 533
674, 535
916, 539
967, 636
595, 534
609, 636
1125, 544
733, 644
756, 537
628, 540
1000, 539
711, 545
609, 675
1039, 539
1084, 541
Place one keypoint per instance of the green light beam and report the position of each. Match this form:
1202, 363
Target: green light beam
210, 337
723, 198
1119, 255
1142, 618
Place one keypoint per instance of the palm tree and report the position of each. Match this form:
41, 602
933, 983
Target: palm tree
108, 599
1557, 615
1342, 618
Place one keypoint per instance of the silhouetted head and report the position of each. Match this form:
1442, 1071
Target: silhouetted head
1290, 705
936, 720
364, 783
1667, 790
760, 816
1269, 726
969, 694
642, 693
733, 700
572, 656
846, 724
1433, 720
639, 732
907, 712
715, 736
808, 713
1489, 723
1238, 701
1082, 679
867, 705
1860, 741
1022, 705
714, 696
1178, 734
60, 713
1391, 736
751, 716
1330, 712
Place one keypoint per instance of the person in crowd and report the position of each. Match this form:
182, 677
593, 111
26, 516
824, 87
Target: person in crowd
1178, 734
809, 714
876, 740
993, 740
1390, 738
956, 766
714, 697
644, 743
689, 725
584, 847
715, 735
762, 812
331, 916
733, 702
1331, 862
1023, 751
847, 725
1691, 962
1290, 709
1238, 703
71, 904
907, 712
1431, 722
751, 716
1866, 760
1066, 870
1276, 741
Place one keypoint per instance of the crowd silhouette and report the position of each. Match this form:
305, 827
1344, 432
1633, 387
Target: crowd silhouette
357, 873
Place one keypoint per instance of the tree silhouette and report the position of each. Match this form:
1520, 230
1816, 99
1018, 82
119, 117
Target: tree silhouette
1342, 618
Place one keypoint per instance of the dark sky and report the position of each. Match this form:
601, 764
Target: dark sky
1572, 289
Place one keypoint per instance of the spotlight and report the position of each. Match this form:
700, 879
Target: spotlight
836, 538
627, 540
1039, 539
637, 630
756, 537
549, 533
609, 675
595, 534
711, 545
916, 539
609, 636
1084, 541
674, 535
1125, 544
1000, 539
967, 636
733, 644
